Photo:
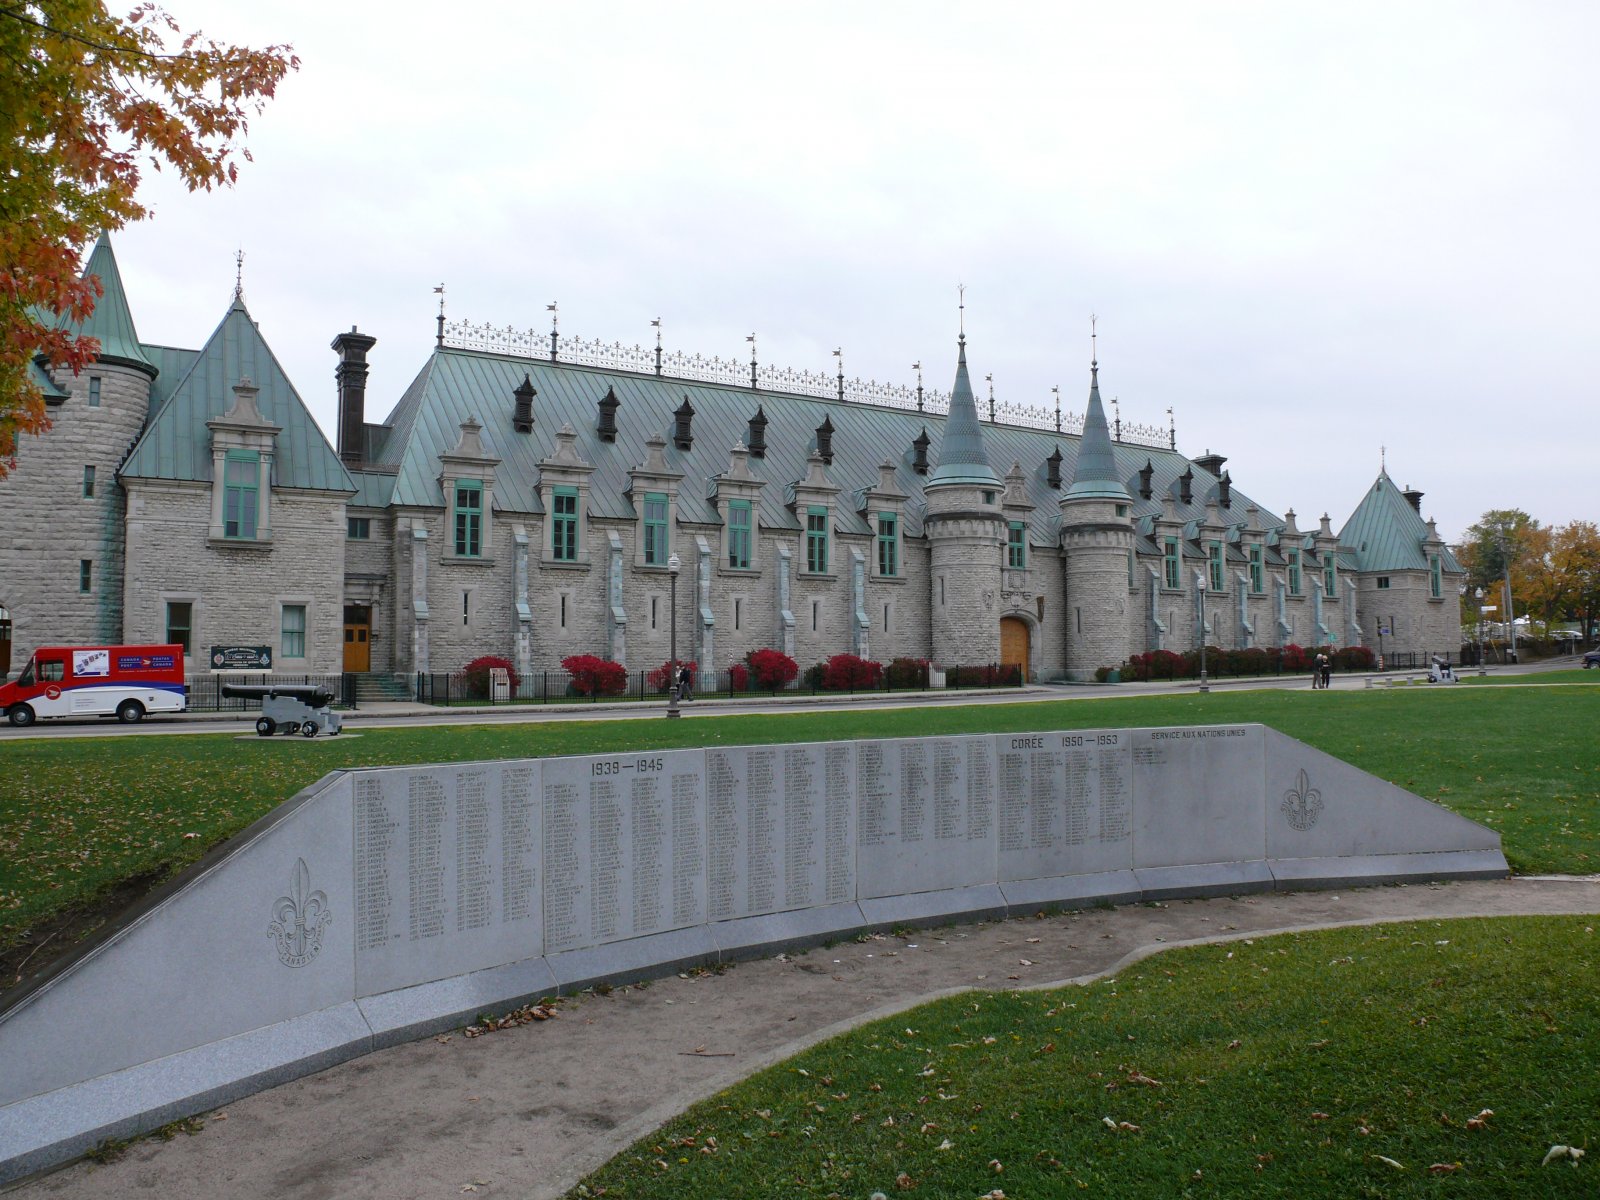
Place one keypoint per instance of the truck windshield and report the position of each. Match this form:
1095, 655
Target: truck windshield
26, 678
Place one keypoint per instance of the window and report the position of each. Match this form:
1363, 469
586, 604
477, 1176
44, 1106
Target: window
1122, 510
466, 607
655, 610
1170, 563
294, 631
886, 618
1017, 546
563, 610
817, 540
94, 391
1130, 573
469, 518
180, 621
1383, 582
88, 483
358, 529
1257, 576
816, 609
564, 525
1330, 579
655, 529
988, 497
1214, 553
85, 574
888, 544
241, 476
1294, 572
739, 534
1435, 576
738, 613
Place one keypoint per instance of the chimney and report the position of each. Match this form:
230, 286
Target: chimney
683, 425
608, 405
1414, 498
1053, 469
919, 448
1186, 486
1146, 474
1225, 491
351, 376
1210, 462
825, 440
758, 434
523, 393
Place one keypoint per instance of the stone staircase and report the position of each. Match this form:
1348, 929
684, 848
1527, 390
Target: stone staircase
375, 687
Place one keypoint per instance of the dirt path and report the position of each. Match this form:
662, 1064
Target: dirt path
524, 1112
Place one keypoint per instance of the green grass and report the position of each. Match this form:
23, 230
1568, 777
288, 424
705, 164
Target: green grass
1542, 679
1285, 1066
79, 816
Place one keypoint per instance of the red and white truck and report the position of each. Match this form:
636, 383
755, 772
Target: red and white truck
96, 681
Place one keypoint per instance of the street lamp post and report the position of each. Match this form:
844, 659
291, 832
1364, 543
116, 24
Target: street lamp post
674, 565
1478, 595
1200, 583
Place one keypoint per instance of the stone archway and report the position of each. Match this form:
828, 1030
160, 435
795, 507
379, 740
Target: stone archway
1016, 645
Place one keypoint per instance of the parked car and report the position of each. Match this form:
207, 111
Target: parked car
1591, 659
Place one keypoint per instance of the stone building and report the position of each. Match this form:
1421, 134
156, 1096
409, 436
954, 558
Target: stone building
528, 504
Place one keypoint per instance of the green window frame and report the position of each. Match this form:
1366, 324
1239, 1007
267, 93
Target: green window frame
1017, 545
94, 391
293, 626
817, 539
1214, 552
241, 479
88, 483
1330, 579
1171, 574
85, 574
739, 535
1257, 574
888, 544
1383, 583
1435, 576
468, 496
564, 524
655, 529
1294, 572
180, 623
358, 529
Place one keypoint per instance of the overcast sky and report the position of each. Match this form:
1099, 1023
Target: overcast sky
1312, 231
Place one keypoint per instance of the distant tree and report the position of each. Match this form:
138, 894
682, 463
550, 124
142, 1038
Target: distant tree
86, 99
1575, 558
1494, 539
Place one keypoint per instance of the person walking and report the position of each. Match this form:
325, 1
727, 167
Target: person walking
685, 684
1327, 671
1316, 671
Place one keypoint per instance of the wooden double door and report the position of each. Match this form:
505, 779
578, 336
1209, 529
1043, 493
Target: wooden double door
1015, 644
357, 638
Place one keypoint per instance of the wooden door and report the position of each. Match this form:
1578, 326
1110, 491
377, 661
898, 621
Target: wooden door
357, 638
1014, 644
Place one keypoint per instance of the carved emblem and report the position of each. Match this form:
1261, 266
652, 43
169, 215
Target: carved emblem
988, 597
1302, 803
299, 919
1018, 600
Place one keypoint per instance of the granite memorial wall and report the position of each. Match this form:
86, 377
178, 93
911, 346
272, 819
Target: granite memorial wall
382, 904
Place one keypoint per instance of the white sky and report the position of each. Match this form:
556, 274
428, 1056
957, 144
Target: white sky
1310, 230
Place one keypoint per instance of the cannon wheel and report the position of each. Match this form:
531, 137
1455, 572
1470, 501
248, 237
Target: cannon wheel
309, 729
266, 727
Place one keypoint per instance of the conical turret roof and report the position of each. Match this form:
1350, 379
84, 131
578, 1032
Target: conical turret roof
961, 456
1095, 476
111, 322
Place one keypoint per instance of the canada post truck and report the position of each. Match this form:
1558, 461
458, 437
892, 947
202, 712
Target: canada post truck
96, 681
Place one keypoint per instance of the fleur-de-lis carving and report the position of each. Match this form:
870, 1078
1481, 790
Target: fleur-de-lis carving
299, 919
1302, 803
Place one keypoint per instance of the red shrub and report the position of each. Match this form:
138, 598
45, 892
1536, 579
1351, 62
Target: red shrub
475, 675
661, 679
738, 677
846, 672
772, 670
592, 676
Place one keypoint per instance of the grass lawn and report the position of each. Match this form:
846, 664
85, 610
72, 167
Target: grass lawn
78, 817
1345, 1063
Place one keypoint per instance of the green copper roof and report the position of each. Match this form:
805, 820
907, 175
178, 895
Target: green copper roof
961, 456
1386, 534
111, 322
177, 444
47, 386
1095, 476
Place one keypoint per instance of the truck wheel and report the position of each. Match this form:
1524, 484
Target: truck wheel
20, 715
309, 729
266, 727
130, 712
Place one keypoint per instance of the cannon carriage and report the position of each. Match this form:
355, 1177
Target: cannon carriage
289, 708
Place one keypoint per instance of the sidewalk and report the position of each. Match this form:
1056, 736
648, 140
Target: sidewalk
526, 1112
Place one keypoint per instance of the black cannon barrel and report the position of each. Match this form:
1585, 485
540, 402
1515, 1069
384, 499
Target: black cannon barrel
310, 694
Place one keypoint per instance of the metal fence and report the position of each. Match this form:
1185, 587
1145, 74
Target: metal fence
560, 687
205, 691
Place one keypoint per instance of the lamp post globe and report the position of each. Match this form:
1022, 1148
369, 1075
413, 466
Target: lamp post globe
1200, 588
674, 565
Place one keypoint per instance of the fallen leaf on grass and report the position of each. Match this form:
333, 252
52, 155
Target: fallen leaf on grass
1481, 1121
1559, 1152
1384, 1158
1444, 1168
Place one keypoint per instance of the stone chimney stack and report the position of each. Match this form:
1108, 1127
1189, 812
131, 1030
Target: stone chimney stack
1413, 497
351, 376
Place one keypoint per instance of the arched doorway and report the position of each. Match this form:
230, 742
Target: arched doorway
5, 642
1014, 644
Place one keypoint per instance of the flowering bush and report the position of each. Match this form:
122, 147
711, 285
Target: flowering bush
771, 670
908, 673
738, 678
661, 679
1297, 658
991, 675
592, 676
475, 675
1157, 664
846, 672
1354, 658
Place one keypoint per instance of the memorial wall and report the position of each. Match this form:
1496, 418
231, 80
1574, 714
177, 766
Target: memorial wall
381, 904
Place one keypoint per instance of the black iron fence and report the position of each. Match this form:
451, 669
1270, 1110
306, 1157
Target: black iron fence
562, 687
205, 691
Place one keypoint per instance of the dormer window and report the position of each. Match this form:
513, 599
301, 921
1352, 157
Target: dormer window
817, 540
1215, 555
739, 535
468, 495
1171, 572
564, 524
655, 529
1294, 571
1330, 579
888, 544
1017, 546
240, 493
1435, 576
1257, 574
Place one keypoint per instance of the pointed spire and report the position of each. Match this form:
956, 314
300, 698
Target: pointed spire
1095, 475
961, 456
112, 322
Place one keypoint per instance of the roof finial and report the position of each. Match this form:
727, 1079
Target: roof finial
839, 354
656, 324
238, 275
438, 338
1116, 421
961, 310
1094, 352
917, 367
1383, 459
989, 379
1055, 391
555, 318
752, 340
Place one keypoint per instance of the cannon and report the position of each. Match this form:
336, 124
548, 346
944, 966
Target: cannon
289, 707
